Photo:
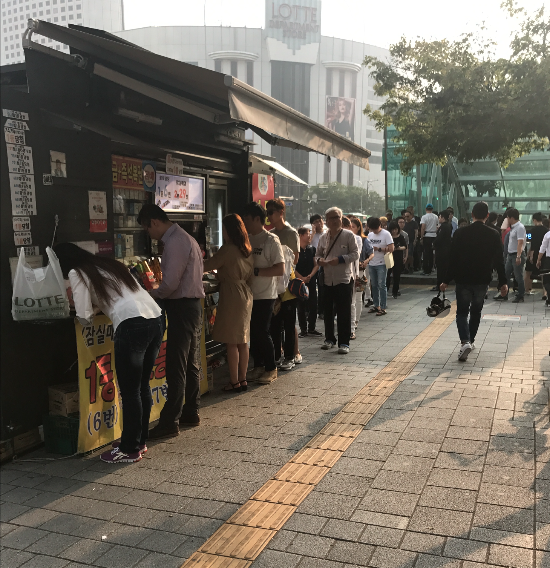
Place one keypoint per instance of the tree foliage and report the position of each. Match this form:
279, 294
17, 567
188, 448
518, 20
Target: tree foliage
346, 197
455, 99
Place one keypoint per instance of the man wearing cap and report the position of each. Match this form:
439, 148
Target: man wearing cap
428, 232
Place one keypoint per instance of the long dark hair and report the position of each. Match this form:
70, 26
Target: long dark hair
357, 222
72, 257
237, 234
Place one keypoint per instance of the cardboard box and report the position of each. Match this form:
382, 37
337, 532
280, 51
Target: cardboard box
26, 441
63, 399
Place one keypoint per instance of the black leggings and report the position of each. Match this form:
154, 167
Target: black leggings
261, 344
396, 273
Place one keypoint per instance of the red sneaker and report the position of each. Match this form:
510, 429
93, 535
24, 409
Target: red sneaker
142, 448
116, 456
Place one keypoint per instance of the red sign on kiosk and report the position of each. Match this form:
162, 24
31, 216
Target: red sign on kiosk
263, 189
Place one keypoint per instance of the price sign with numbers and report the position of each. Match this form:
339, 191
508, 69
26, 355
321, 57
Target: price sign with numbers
18, 115
14, 136
22, 238
21, 223
23, 201
20, 159
19, 124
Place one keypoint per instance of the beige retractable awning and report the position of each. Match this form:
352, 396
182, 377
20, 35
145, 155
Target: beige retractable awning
209, 95
273, 165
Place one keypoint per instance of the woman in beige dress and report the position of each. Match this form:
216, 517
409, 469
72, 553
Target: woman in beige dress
235, 267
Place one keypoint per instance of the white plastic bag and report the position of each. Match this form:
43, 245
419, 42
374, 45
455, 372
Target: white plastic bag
282, 281
39, 293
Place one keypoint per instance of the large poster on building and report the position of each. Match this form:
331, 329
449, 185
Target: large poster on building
340, 115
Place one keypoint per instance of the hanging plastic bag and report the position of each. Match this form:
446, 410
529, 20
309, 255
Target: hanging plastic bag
39, 293
282, 281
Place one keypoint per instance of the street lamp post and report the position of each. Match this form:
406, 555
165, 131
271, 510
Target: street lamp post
369, 181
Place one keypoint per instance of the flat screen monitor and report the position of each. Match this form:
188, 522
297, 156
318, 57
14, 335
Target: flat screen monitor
180, 194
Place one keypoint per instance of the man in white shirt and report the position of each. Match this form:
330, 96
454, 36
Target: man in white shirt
428, 232
336, 254
382, 243
515, 258
269, 264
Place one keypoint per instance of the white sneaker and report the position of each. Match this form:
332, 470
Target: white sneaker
287, 365
298, 359
343, 349
327, 345
465, 350
473, 345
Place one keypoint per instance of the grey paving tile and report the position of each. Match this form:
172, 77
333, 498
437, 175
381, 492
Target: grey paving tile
380, 519
421, 542
352, 552
342, 530
400, 481
510, 556
448, 498
9, 511
310, 545
408, 464
383, 501
440, 521
86, 551
318, 563
381, 536
282, 540
40, 561
310, 524
121, 556
510, 519
189, 546
428, 561
392, 558
276, 559
52, 544
460, 479
12, 558
514, 476
466, 549
22, 537
358, 467
329, 505
157, 560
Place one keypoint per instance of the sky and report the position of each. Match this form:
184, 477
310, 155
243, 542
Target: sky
375, 23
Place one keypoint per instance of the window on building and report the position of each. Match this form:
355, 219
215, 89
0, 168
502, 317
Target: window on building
62, 8
71, 17
63, 18
55, 19
79, 16
250, 73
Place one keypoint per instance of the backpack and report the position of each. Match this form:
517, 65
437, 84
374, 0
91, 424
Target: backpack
298, 288
438, 305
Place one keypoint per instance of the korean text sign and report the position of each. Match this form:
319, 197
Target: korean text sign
100, 404
127, 173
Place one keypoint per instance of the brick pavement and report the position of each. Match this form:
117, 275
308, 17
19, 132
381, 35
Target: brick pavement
451, 472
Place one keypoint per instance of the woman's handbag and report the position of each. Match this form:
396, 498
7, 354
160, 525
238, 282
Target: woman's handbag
388, 259
438, 305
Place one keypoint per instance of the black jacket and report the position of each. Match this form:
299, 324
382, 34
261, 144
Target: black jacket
442, 243
475, 251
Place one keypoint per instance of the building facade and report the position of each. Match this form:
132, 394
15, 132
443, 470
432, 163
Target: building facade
106, 15
321, 77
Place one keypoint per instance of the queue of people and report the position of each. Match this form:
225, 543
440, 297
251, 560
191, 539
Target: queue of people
338, 268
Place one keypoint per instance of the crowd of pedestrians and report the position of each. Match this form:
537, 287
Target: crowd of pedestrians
271, 277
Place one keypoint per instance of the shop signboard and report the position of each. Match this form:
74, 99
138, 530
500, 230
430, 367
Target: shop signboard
149, 176
295, 23
99, 401
263, 189
180, 194
127, 173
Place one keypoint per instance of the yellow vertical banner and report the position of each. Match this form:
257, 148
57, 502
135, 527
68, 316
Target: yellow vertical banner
99, 399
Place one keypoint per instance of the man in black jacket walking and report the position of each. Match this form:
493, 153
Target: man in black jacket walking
475, 251
442, 247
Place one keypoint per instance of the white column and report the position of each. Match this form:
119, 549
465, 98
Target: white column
241, 71
226, 66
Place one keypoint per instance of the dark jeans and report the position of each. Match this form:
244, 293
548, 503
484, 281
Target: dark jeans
284, 320
417, 255
338, 297
261, 344
442, 262
137, 342
428, 260
183, 362
469, 300
307, 311
396, 273
321, 296
516, 271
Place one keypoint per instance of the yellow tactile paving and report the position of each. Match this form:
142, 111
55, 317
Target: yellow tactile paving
243, 537
284, 492
316, 456
237, 541
301, 473
327, 442
200, 560
263, 515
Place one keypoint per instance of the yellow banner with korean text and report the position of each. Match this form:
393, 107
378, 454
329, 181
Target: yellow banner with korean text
99, 399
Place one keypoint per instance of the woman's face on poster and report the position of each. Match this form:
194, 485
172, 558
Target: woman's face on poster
342, 107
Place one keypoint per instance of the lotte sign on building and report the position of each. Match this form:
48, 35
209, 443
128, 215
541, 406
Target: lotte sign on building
294, 23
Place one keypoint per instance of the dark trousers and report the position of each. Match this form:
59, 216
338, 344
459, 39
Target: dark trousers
284, 321
261, 344
442, 264
417, 255
394, 272
137, 342
338, 298
307, 311
183, 366
469, 300
321, 297
428, 260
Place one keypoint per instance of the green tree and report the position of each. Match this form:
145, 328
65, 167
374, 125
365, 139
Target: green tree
456, 100
348, 198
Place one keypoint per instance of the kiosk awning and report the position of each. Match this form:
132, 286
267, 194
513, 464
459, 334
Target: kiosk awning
209, 95
273, 165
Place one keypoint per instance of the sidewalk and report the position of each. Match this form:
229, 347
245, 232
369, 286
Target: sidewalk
449, 472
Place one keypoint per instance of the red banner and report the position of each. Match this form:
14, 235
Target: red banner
127, 173
263, 189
